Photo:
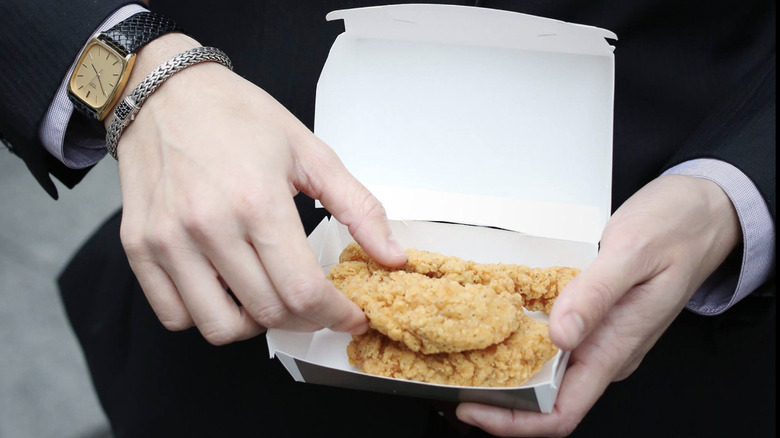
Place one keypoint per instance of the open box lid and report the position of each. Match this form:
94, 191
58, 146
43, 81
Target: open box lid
476, 116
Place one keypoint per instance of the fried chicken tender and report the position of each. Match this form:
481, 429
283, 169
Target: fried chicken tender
539, 287
429, 315
509, 363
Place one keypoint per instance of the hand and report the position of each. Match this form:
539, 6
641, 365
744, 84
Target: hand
208, 172
656, 250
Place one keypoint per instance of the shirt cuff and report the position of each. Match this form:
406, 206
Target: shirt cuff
725, 287
77, 148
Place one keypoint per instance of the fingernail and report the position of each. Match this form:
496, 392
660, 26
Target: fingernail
394, 249
359, 329
573, 328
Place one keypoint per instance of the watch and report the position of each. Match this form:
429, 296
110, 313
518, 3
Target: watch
102, 69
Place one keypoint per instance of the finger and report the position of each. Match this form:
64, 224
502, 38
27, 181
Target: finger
241, 269
162, 295
585, 301
581, 387
217, 316
354, 206
159, 289
294, 271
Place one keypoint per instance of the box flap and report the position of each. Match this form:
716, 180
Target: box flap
466, 25
498, 118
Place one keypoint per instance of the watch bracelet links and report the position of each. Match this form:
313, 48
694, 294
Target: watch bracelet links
127, 108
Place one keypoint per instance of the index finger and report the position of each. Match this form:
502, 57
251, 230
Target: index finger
280, 241
354, 206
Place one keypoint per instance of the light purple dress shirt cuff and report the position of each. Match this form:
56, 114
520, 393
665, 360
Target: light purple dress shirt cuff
76, 150
725, 287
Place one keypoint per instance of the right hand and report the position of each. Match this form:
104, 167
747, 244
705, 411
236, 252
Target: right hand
208, 172
655, 252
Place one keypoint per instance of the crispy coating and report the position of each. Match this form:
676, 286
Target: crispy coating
509, 363
429, 315
539, 287
353, 253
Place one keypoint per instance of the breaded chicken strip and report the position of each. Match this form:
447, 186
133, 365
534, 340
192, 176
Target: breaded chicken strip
429, 315
538, 286
509, 363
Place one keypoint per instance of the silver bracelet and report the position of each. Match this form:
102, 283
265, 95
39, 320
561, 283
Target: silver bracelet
126, 110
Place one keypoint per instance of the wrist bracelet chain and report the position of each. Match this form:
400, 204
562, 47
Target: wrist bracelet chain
126, 110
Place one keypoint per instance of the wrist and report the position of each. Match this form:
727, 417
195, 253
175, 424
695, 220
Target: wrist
148, 58
723, 211
718, 221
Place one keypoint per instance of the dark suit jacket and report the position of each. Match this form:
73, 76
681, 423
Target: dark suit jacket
693, 79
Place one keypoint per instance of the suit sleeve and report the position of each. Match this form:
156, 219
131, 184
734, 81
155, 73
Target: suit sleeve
741, 131
38, 42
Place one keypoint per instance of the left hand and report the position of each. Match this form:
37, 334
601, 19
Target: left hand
656, 250
208, 171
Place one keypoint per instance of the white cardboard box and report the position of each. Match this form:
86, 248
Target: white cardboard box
497, 123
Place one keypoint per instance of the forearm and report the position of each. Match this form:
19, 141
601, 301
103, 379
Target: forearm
42, 42
150, 57
70, 143
733, 282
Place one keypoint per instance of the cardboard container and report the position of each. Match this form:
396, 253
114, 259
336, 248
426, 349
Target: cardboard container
486, 135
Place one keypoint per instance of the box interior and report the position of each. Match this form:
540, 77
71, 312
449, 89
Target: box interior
487, 118
457, 116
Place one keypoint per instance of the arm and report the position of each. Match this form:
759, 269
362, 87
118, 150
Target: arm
656, 251
41, 32
208, 173
738, 277
74, 147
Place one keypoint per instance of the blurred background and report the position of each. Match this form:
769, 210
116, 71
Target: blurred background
45, 389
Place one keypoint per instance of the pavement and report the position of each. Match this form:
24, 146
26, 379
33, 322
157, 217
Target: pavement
45, 390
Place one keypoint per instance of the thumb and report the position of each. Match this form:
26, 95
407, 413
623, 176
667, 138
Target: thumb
586, 300
353, 205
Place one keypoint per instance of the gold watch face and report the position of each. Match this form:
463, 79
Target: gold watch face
99, 76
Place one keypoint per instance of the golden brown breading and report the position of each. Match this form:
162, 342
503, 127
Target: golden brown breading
353, 253
430, 315
510, 363
435, 265
538, 286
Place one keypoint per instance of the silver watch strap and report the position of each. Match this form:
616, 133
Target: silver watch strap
126, 110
